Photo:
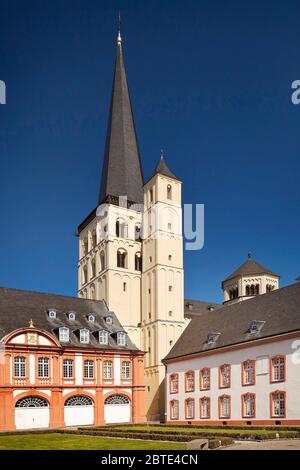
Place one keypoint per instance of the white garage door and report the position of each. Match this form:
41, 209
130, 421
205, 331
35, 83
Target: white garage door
32, 412
79, 410
117, 409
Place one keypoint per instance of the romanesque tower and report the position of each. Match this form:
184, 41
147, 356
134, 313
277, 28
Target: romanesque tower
130, 246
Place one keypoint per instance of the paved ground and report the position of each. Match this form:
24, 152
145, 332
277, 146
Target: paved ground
282, 444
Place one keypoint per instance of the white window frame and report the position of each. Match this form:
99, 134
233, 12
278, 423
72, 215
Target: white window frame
91, 318
126, 370
52, 313
109, 320
108, 369
103, 337
64, 334
84, 336
68, 368
121, 338
20, 367
43, 367
72, 316
174, 409
88, 369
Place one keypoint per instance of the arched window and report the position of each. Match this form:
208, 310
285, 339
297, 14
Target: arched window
138, 262
84, 274
252, 289
121, 229
257, 289
32, 402
93, 264
174, 409
169, 191
121, 258
137, 232
79, 400
102, 261
189, 408
117, 400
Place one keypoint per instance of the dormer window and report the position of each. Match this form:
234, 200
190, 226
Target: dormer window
109, 320
84, 336
103, 337
71, 315
212, 337
91, 318
255, 326
121, 338
64, 334
52, 313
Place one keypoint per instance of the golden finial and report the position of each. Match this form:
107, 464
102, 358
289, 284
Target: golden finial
119, 38
31, 325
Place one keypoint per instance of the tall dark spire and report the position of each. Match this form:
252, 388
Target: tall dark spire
122, 170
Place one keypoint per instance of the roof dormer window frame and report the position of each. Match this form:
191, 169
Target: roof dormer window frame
64, 334
256, 326
212, 337
91, 318
52, 313
121, 338
84, 335
71, 315
109, 320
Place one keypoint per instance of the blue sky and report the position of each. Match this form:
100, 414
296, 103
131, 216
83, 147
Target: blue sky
210, 83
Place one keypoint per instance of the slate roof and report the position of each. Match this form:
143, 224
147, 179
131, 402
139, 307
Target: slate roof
163, 169
250, 267
17, 307
279, 309
122, 170
198, 307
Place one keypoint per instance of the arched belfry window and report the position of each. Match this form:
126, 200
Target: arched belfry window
121, 229
137, 231
138, 261
169, 191
102, 261
121, 258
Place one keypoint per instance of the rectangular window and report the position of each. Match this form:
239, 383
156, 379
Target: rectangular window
68, 368
278, 404
20, 366
174, 409
88, 369
189, 408
278, 369
43, 367
174, 383
107, 369
224, 407
248, 373
190, 381
205, 379
84, 336
248, 405
126, 370
205, 407
224, 376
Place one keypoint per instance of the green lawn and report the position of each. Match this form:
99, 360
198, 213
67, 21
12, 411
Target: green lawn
70, 442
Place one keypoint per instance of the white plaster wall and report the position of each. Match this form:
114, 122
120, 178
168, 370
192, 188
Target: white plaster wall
262, 388
117, 370
32, 369
78, 369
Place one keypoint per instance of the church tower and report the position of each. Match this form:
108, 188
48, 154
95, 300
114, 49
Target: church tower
130, 246
162, 280
110, 252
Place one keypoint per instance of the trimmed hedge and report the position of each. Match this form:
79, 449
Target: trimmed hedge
279, 427
193, 434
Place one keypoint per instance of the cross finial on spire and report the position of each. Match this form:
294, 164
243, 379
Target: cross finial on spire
161, 154
119, 38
